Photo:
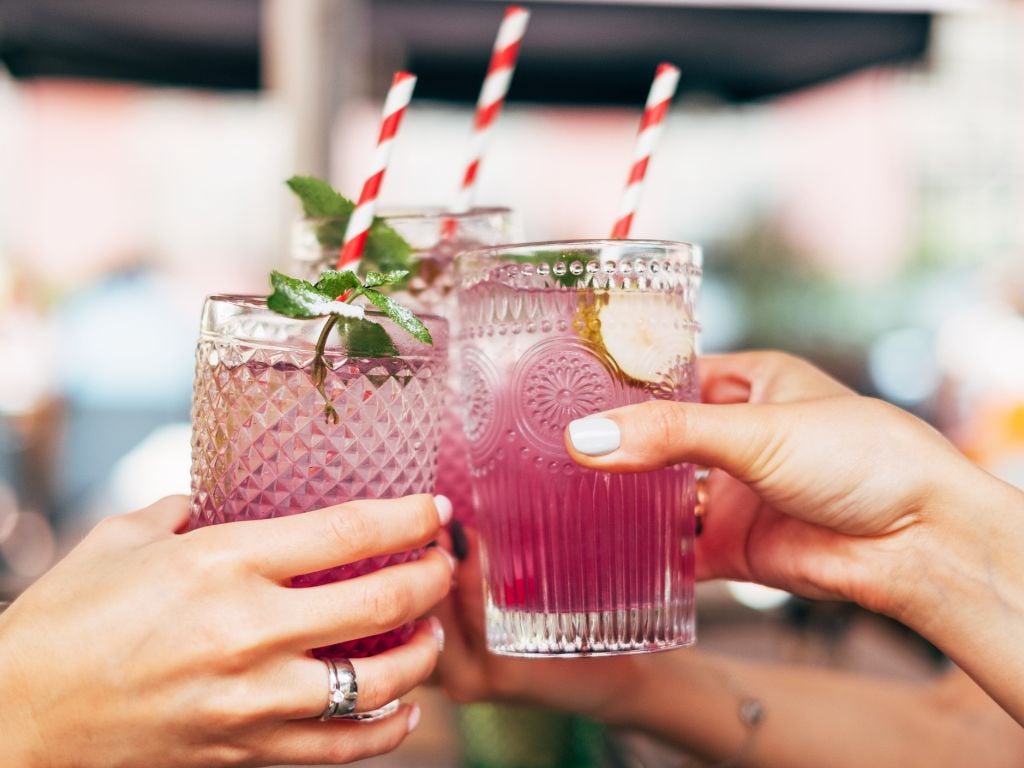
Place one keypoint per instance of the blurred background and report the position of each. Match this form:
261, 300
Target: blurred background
854, 170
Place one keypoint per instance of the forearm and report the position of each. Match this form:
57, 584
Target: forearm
18, 735
967, 595
813, 717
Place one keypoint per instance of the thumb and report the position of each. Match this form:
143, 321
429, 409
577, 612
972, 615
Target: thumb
742, 439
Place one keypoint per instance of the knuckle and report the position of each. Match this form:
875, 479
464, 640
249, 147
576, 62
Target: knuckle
226, 755
785, 359
350, 529
233, 642
111, 528
376, 691
212, 561
228, 633
383, 686
765, 454
232, 707
774, 360
668, 422
388, 608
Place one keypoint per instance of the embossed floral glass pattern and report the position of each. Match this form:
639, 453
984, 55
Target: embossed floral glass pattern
262, 447
436, 236
577, 562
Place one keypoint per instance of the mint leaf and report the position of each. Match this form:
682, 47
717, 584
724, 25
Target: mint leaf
320, 200
301, 299
376, 279
296, 298
402, 317
365, 338
386, 250
333, 283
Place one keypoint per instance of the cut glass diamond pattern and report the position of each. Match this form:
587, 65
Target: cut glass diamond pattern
262, 448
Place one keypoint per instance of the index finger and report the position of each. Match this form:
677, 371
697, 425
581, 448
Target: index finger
288, 546
764, 376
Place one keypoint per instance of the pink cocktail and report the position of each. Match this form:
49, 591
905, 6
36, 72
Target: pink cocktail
578, 561
437, 236
262, 447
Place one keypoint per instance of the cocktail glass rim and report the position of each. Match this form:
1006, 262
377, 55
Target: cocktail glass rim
474, 261
424, 213
258, 302
694, 251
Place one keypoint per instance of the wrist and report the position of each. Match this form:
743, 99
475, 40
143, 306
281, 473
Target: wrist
964, 557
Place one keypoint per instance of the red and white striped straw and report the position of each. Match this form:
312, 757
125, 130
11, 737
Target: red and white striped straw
398, 98
492, 96
666, 80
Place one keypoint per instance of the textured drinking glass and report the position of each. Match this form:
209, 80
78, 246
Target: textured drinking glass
262, 447
436, 236
577, 562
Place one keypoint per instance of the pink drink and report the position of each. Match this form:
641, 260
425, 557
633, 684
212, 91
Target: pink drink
262, 448
577, 561
437, 237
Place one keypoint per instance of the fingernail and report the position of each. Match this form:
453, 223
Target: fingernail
438, 630
594, 436
460, 544
414, 718
444, 508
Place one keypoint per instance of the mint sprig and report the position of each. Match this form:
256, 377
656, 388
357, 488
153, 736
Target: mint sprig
385, 250
332, 296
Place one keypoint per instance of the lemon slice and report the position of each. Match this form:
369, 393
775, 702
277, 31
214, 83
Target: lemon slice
647, 335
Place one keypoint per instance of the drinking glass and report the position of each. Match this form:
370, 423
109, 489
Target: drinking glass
575, 561
263, 447
436, 236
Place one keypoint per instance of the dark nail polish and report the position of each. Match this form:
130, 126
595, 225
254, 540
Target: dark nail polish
460, 544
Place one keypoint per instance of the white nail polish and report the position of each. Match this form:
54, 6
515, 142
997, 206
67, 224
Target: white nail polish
414, 718
594, 436
438, 630
444, 509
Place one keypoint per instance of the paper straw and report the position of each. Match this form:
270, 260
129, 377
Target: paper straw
399, 95
666, 80
492, 97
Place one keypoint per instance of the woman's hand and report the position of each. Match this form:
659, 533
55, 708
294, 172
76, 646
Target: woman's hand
815, 490
148, 647
818, 492
830, 495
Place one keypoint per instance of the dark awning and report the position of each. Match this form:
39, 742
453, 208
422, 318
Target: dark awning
573, 53
607, 53
198, 43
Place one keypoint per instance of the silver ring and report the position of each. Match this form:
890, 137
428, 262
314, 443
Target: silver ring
342, 690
